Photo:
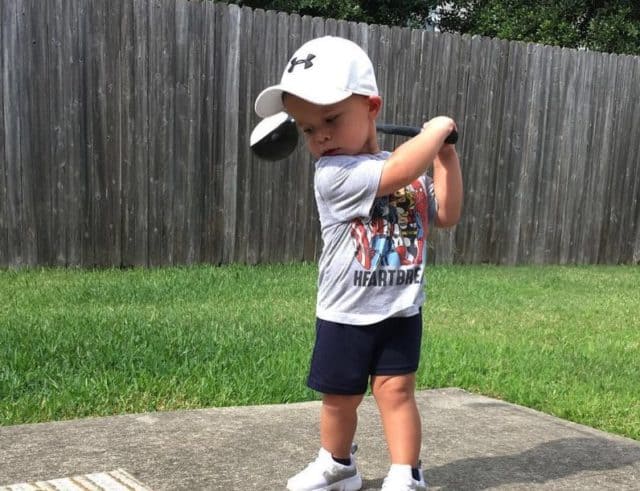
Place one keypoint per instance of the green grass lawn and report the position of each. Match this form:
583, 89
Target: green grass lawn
564, 340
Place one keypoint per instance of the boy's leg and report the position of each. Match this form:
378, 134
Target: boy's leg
340, 371
338, 421
334, 468
395, 396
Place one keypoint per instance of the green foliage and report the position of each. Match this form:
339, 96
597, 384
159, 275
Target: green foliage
387, 12
610, 26
606, 25
616, 31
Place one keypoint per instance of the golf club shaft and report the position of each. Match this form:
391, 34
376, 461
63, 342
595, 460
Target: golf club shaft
395, 129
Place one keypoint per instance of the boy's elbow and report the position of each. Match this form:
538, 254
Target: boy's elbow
448, 219
445, 223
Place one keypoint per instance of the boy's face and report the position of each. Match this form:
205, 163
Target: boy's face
344, 128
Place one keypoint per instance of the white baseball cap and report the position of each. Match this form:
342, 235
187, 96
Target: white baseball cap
322, 71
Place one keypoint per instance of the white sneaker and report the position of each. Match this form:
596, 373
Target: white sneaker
400, 479
325, 474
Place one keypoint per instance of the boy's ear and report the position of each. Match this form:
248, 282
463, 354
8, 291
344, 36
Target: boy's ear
375, 103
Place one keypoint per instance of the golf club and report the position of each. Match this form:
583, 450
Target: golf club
276, 137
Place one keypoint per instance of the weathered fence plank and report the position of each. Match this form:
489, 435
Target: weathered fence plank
214, 136
632, 240
124, 129
22, 232
4, 203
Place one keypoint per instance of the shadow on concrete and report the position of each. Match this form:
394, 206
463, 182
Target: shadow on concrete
547, 462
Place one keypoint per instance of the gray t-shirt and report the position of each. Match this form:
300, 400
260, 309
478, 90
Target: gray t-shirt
374, 251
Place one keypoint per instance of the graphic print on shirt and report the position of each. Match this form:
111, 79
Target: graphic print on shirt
396, 234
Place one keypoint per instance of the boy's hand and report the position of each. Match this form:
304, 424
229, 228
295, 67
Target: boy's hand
441, 123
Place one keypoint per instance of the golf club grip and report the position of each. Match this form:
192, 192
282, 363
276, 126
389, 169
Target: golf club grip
395, 129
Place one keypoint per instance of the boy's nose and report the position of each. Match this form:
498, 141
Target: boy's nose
323, 136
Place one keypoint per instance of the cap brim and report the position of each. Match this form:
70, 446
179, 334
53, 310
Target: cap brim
269, 102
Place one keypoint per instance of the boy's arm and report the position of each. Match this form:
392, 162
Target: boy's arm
447, 184
412, 159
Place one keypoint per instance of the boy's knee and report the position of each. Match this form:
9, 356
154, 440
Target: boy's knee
339, 402
395, 389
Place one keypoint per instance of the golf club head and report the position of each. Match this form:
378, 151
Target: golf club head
274, 138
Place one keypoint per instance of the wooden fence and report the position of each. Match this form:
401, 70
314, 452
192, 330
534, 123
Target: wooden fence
124, 128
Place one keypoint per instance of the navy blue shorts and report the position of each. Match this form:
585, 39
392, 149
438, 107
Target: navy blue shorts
345, 356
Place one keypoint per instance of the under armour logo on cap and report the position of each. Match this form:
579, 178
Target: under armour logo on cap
307, 62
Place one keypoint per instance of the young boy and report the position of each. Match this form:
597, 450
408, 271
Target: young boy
375, 209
